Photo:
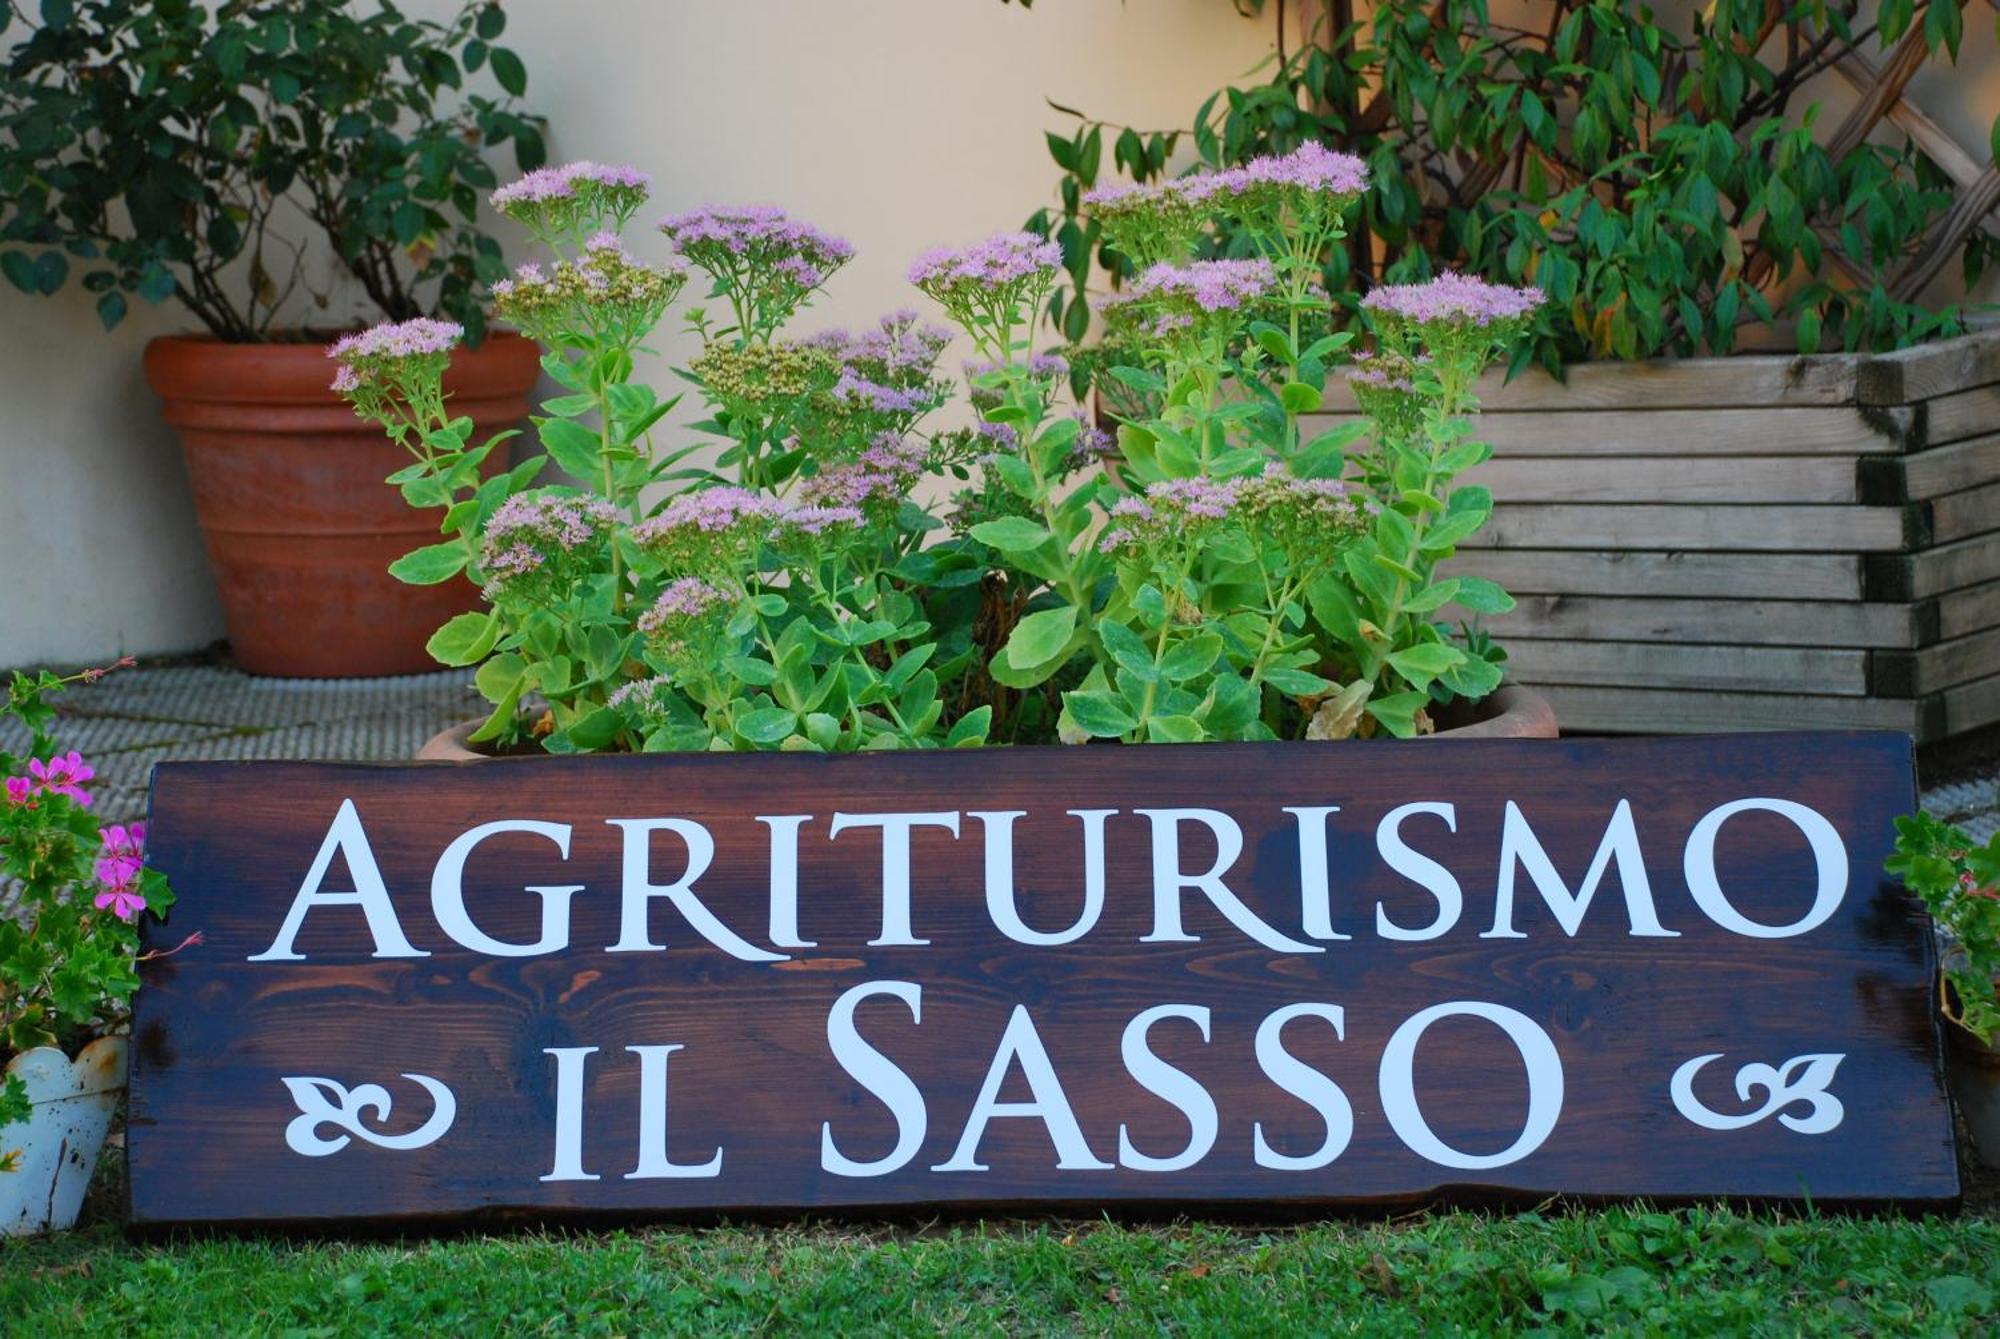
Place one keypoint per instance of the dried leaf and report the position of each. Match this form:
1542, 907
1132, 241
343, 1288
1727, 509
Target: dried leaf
1340, 715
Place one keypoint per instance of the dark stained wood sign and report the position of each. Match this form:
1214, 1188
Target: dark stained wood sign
1214, 976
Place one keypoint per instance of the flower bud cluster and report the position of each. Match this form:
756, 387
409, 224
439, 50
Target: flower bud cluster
568, 202
765, 382
605, 292
876, 483
393, 359
766, 262
684, 623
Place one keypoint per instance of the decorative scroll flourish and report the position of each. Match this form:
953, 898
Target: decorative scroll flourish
325, 1102
1803, 1078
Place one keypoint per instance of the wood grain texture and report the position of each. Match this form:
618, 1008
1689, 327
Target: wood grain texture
1726, 668
1760, 529
1743, 576
1690, 479
1622, 432
1692, 711
1823, 623
1934, 571
1961, 414
1936, 667
214, 1033
1749, 381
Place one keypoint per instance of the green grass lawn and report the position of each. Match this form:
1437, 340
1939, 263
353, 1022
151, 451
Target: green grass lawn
1622, 1269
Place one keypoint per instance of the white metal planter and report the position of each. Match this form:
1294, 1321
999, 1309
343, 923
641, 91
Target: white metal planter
73, 1102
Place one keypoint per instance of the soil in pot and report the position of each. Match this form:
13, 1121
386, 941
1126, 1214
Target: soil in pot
299, 527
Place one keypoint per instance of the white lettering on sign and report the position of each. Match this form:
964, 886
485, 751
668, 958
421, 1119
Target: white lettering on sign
1302, 1081
1021, 1044
448, 893
895, 866
1399, 1095
1162, 1080
1829, 860
1520, 851
1520, 847
344, 838
638, 890
880, 1076
1169, 878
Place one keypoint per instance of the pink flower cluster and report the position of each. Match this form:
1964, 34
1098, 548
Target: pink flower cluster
901, 342
1454, 299
709, 510
64, 775
118, 867
684, 598
714, 236
1170, 508
530, 533
881, 476
1211, 285
547, 184
1009, 258
1310, 167
371, 355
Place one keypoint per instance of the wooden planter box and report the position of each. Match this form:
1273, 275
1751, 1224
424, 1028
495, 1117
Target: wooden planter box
1752, 543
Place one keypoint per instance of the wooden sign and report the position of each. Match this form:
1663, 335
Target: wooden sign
1210, 976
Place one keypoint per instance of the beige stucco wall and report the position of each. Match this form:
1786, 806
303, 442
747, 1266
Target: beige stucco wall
897, 123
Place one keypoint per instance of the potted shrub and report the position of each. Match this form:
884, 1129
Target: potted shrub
1232, 577
1959, 881
1700, 537
69, 942
208, 158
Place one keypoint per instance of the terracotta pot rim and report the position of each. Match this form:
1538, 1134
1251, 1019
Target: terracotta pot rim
1515, 713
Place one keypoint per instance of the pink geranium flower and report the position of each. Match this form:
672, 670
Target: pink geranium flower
124, 855
125, 902
63, 775
20, 790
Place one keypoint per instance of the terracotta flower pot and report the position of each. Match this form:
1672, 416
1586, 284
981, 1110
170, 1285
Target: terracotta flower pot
300, 528
1509, 712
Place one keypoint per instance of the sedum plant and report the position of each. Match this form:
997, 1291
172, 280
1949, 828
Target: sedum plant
830, 570
70, 945
1958, 880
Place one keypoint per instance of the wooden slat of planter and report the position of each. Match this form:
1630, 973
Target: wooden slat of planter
1971, 706
1961, 515
1933, 668
1780, 576
1763, 529
1761, 669
1663, 479
1680, 433
1909, 375
1680, 711
1913, 576
1964, 612
1951, 418
1757, 381
1930, 473
1706, 622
